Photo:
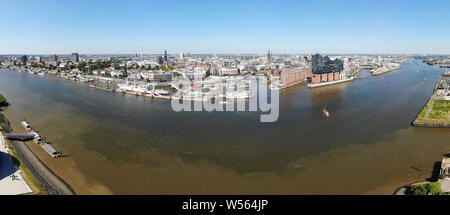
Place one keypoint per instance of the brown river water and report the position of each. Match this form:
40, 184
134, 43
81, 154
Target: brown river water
116, 144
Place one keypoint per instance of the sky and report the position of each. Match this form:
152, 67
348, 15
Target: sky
225, 26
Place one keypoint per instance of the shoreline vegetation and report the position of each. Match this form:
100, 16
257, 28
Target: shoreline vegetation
435, 113
3, 101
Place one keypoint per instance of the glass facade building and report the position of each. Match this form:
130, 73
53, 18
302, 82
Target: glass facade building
321, 65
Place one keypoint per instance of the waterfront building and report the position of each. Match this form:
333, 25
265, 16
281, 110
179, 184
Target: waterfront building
290, 76
325, 70
75, 58
445, 169
23, 59
166, 62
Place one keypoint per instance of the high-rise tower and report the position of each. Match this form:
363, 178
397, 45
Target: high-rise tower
166, 62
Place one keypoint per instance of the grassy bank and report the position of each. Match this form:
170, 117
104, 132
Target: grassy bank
422, 114
438, 112
3, 101
441, 110
35, 185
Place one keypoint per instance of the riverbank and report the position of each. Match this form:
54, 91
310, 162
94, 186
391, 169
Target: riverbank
49, 180
435, 113
3, 101
12, 180
383, 70
330, 83
35, 185
134, 145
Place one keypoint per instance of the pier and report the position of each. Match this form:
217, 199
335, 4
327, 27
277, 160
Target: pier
33, 135
21, 137
52, 183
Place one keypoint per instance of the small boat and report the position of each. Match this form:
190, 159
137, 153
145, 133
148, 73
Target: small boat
84, 79
26, 125
325, 112
36, 137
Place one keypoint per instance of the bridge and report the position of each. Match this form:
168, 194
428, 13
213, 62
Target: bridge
22, 137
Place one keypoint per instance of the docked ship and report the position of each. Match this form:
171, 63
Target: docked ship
132, 89
159, 92
26, 125
36, 137
85, 79
141, 89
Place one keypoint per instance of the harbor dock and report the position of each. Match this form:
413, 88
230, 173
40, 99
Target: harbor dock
52, 183
311, 85
36, 137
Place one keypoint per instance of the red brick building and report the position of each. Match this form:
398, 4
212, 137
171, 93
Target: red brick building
326, 77
290, 76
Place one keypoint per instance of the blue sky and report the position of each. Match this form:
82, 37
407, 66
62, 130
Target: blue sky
224, 26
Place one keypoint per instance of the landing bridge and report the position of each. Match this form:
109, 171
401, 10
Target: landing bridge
22, 137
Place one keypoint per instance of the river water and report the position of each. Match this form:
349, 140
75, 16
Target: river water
135, 145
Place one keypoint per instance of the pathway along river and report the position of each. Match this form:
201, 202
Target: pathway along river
134, 145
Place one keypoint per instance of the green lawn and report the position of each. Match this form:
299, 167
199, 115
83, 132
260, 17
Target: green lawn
441, 110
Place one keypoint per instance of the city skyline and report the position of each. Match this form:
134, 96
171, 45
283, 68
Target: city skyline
224, 27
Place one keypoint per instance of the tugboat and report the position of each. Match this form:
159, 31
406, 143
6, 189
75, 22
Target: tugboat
325, 112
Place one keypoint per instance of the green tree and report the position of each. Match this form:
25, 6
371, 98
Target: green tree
81, 66
425, 189
434, 188
3, 101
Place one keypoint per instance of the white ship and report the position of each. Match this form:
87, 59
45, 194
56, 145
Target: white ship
86, 79
132, 89
26, 125
36, 137
159, 92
